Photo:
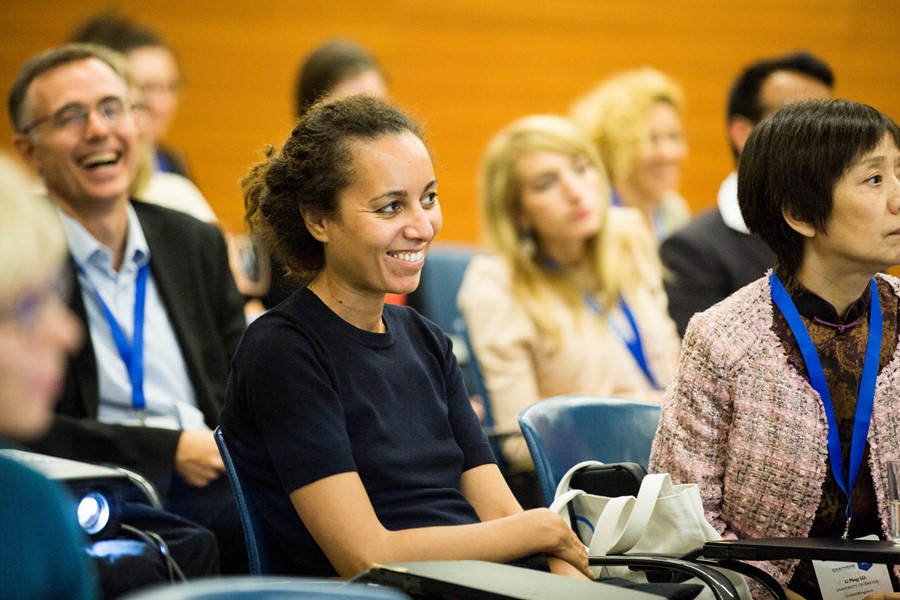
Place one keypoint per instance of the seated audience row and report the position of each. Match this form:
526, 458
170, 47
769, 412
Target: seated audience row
534, 327
395, 464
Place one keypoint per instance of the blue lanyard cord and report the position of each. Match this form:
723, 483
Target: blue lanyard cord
615, 199
132, 353
865, 398
632, 342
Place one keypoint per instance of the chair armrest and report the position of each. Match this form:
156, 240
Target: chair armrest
768, 582
721, 586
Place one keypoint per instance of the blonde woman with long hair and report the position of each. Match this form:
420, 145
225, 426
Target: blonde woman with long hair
571, 300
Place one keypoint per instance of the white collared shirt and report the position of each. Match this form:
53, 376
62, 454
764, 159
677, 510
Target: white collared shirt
170, 399
729, 207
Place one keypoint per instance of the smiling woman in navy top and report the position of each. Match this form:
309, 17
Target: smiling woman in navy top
347, 416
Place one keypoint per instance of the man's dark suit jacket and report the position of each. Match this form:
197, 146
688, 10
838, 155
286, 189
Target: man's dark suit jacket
707, 261
189, 264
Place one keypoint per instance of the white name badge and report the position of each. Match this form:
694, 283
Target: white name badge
845, 581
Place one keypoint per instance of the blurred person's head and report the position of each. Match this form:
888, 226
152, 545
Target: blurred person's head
634, 120
765, 86
544, 190
824, 172
37, 332
336, 69
151, 63
71, 110
546, 207
308, 182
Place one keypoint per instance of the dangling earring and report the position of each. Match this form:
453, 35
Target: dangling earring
526, 242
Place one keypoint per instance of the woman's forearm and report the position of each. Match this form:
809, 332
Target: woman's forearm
501, 540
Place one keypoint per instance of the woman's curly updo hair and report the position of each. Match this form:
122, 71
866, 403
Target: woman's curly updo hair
308, 174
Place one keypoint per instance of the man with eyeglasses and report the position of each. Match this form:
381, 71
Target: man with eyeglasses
154, 291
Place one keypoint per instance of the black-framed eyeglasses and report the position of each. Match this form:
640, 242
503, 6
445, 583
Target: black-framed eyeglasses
74, 116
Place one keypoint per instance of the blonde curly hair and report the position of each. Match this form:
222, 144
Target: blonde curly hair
614, 115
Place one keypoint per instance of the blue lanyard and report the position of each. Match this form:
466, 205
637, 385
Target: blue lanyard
132, 353
614, 198
865, 397
632, 342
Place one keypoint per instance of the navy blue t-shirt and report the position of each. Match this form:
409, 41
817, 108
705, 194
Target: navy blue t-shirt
312, 396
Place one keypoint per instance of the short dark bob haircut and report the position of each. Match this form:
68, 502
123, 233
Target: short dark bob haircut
792, 162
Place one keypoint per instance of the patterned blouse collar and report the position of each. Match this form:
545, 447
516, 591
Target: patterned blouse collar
815, 308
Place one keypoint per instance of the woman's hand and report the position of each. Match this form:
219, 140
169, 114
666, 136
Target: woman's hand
561, 567
197, 458
561, 542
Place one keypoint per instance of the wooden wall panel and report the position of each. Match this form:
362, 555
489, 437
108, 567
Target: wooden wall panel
469, 67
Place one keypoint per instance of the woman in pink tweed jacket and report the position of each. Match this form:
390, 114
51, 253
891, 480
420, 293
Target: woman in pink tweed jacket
819, 183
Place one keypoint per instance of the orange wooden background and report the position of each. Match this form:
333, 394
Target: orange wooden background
468, 67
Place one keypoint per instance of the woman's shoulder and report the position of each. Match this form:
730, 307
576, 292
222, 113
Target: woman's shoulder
294, 318
485, 276
489, 266
892, 281
408, 316
736, 322
415, 331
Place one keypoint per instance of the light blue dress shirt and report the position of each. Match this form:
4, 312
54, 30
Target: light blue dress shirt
170, 399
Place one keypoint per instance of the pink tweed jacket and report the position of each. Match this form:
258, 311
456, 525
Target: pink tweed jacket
748, 428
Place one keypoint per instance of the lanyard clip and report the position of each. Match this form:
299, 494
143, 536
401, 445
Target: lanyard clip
847, 529
141, 415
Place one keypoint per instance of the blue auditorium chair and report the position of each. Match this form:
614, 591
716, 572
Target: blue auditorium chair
263, 560
565, 430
